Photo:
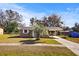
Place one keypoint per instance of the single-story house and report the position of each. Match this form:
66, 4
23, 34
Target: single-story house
66, 32
1, 31
28, 31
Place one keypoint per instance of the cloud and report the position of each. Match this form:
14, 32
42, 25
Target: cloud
27, 14
70, 16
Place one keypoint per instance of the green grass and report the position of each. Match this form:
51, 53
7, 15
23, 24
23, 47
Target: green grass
34, 51
5, 39
70, 38
47, 41
31, 50
5, 36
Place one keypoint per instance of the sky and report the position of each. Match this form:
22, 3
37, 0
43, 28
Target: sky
69, 12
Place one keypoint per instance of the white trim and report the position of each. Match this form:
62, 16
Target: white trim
24, 31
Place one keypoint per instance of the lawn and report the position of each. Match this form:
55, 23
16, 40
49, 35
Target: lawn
34, 51
70, 38
24, 50
9, 38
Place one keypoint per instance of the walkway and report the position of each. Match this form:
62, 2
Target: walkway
39, 44
74, 47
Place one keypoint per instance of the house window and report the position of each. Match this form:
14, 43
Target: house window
25, 31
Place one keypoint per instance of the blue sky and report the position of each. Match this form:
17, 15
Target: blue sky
69, 12
43, 7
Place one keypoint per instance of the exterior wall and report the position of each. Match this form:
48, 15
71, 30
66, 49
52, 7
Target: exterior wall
1, 31
65, 33
51, 33
28, 34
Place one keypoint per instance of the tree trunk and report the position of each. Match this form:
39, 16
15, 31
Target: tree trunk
37, 36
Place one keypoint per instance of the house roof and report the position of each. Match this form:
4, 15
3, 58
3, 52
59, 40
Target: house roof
54, 28
49, 28
28, 28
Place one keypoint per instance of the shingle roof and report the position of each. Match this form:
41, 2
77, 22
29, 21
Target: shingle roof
54, 28
29, 28
49, 28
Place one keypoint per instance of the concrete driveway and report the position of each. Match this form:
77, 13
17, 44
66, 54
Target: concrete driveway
74, 47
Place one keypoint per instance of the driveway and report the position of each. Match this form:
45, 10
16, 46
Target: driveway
74, 47
38, 44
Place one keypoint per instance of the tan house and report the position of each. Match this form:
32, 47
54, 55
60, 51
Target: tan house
28, 31
54, 30
1, 31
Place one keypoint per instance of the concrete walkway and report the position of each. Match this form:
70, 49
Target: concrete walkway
39, 44
74, 47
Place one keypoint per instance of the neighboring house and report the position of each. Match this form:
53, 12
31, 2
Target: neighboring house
28, 31
65, 32
1, 31
54, 30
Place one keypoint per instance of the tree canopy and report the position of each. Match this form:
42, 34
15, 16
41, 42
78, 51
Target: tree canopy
9, 20
76, 27
38, 28
52, 21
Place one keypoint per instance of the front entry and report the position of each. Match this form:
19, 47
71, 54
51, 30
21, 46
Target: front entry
51, 33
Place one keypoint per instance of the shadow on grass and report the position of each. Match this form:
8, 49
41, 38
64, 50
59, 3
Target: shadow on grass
20, 37
26, 36
29, 41
64, 37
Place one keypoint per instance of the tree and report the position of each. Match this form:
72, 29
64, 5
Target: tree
32, 20
45, 21
52, 21
8, 18
13, 16
11, 27
39, 29
40, 26
66, 28
2, 19
76, 27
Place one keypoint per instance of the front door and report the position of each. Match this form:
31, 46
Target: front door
51, 33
